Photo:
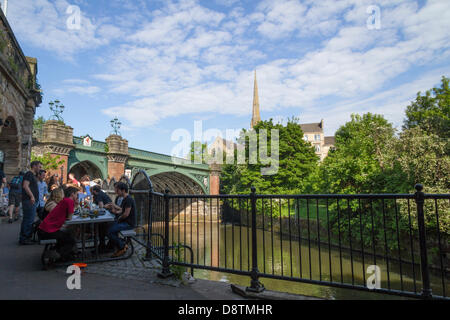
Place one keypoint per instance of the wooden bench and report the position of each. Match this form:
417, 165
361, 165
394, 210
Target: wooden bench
128, 233
48, 242
49, 245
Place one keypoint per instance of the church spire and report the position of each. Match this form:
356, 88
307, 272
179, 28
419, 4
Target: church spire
256, 117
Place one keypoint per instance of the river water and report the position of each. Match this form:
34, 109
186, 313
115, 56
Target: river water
218, 245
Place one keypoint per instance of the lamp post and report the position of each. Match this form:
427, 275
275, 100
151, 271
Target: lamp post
115, 124
57, 109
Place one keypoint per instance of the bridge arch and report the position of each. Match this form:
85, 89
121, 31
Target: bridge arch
177, 183
10, 140
86, 167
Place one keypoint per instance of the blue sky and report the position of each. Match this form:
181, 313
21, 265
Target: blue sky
161, 65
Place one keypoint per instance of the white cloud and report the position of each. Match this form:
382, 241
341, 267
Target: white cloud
43, 23
78, 86
203, 66
184, 58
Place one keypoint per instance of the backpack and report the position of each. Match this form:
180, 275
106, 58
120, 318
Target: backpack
16, 183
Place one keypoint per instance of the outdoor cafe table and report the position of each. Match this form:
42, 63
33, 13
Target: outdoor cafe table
78, 220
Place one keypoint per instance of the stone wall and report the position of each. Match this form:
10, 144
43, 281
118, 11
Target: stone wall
18, 101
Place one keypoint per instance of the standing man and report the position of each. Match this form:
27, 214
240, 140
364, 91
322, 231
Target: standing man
30, 198
125, 219
15, 196
43, 192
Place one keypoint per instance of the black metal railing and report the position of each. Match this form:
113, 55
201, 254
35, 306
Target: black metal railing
333, 240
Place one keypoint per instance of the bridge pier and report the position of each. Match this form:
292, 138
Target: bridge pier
214, 178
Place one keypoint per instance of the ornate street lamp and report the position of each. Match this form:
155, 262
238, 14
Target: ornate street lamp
115, 124
57, 109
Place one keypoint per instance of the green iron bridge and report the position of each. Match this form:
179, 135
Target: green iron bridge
181, 178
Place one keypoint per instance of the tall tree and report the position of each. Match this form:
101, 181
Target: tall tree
297, 161
198, 152
360, 157
431, 111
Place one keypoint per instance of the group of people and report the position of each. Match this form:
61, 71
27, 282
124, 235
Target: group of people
55, 204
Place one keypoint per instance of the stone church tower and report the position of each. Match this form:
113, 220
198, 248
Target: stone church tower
256, 117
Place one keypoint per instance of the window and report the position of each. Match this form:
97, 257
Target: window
317, 148
305, 137
317, 137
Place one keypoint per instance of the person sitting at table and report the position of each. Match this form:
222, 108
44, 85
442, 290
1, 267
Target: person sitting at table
55, 197
71, 180
51, 227
85, 184
125, 219
100, 198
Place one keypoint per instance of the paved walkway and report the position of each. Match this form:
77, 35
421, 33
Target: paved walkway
22, 277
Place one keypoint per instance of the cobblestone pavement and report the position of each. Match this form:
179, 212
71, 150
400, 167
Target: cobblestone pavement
22, 277
134, 268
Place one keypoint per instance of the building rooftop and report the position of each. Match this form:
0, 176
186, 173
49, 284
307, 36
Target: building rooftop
312, 127
330, 141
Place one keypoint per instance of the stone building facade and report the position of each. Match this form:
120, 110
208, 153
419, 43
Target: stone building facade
313, 132
19, 98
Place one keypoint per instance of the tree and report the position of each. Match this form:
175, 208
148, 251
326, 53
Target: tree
48, 161
38, 123
431, 111
297, 161
357, 164
198, 152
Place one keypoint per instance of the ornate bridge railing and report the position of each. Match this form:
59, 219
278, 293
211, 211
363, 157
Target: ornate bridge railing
394, 244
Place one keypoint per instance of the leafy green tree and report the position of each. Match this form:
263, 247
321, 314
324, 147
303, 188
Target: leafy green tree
357, 164
297, 161
48, 161
431, 111
199, 151
38, 123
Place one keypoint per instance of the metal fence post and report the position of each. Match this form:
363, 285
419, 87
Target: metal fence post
165, 273
148, 253
255, 285
420, 200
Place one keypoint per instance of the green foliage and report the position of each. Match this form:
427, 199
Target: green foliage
199, 152
178, 271
13, 64
431, 111
38, 123
359, 160
48, 161
297, 162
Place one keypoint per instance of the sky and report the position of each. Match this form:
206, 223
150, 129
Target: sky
161, 65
